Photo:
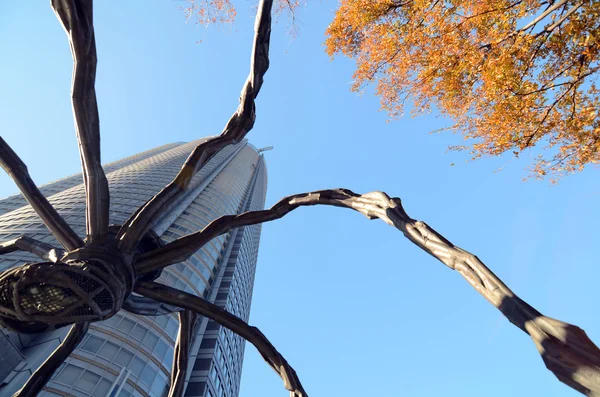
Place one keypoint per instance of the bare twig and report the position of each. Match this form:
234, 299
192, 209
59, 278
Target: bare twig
17, 170
187, 318
573, 85
76, 16
28, 244
565, 348
41, 376
553, 7
240, 123
253, 335
571, 10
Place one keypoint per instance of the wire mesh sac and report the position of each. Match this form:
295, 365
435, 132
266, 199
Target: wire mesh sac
58, 294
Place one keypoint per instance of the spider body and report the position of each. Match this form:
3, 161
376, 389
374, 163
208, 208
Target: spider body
116, 267
88, 284
91, 283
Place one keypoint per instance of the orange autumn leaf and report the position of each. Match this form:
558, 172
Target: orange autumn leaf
511, 74
207, 12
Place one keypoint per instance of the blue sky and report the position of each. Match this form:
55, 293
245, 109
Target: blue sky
355, 308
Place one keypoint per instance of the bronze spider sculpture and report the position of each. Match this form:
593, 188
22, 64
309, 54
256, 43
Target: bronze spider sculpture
115, 267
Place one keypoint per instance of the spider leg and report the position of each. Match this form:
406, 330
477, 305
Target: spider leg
17, 170
76, 18
24, 243
173, 296
187, 319
566, 349
182, 248
240, 123
41, 376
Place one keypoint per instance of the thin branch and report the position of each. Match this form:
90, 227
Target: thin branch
28, 244
466, 18
253, 335
533, 57
41, 376
571, 10
76, 17
543, 15
17, 170
549, 10
573, 85
187, 318
565, 348
240, 123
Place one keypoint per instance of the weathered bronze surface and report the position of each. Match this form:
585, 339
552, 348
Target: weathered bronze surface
92, 280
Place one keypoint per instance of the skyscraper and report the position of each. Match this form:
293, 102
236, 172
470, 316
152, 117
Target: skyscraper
129, 355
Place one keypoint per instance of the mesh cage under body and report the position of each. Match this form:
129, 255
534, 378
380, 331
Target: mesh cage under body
55, 294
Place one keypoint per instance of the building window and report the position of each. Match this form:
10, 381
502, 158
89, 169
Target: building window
92, 345
196, 389
87, 382
139, 332
102, 388
136, 366
69, 374
213, 373
208, 343
126, 325
150, 340
123, 358
159, 385
160, 350
202, 364
148, 375
108, 351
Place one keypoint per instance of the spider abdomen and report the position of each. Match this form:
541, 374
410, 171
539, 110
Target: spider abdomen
58, 294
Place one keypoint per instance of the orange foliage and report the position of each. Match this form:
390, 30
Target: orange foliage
210, 11
206, 12
511, 74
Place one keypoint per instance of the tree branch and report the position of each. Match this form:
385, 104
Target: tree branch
565, 348
76, 17
240, 123
187, 318
28, 244
571, 10
173, 296
573, 85
41, 376
553, 7
17, 170
546, 13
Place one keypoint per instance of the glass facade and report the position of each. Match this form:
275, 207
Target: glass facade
16, 201
129, 355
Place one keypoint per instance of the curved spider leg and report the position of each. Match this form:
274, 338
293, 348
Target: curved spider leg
76, 17
253, 335
566, 349
240, 123
28, 244
17, 170
42, 375
187, 319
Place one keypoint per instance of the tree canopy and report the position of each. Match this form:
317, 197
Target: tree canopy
116, 267
511, 74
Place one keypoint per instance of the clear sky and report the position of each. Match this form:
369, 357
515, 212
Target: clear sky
354, 307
